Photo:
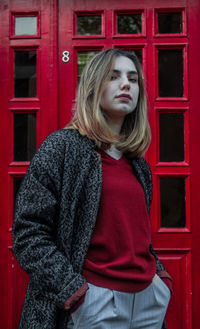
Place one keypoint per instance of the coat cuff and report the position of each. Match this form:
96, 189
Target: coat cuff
164, 274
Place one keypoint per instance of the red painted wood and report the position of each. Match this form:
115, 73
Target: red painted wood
13, 279
194, 72
178, 261
4, 88
177, 248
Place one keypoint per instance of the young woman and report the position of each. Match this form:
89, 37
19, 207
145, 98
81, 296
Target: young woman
81, 228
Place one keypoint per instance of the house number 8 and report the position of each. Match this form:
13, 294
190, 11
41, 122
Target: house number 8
65, 57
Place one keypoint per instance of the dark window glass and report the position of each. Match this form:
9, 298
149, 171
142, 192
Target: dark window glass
89, 25
25, 73
170, 72
172, 195
24, 136
82, 58
137, 52
169, 22
16, 184
171, 136
25, 25
129, 24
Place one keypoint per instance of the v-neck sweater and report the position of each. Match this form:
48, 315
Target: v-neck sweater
118, 256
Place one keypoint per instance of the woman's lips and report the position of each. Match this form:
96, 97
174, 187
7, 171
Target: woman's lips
124, 97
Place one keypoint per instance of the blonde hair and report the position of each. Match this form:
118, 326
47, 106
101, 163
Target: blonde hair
89, 119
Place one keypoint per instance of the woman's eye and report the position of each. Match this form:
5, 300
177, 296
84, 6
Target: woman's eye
113, 77
133, 79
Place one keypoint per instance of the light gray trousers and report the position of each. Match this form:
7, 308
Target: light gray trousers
110, 309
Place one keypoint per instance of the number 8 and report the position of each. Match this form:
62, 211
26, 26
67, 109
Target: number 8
65, 57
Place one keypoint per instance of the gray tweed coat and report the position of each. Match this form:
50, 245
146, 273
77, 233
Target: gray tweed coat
55, 214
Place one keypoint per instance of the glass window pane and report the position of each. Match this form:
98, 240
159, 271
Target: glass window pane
25, 73
16, 184
26, 25
129, 24
89, 24
170, 23
82, 58
24, 136
137, 52
170, 72
171, 136
172, 195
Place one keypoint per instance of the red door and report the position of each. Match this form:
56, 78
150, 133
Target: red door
28, 114
37, 36
163, 35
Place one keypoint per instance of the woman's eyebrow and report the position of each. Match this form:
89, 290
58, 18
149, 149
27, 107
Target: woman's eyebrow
129, 72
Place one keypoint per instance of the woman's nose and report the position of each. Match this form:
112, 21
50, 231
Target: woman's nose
125, 83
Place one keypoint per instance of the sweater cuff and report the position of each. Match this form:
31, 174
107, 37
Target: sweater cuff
164, 274
71, 301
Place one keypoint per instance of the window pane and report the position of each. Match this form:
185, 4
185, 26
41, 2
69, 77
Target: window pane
170, 72
171, 136
25, 25
172, 195
137, 52
24, 136
16, 184
129, 24
169, 22
82, 58
25, 73
89, 24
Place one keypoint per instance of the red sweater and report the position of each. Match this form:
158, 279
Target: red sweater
118, 257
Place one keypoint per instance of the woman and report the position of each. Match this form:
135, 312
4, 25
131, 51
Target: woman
81, 229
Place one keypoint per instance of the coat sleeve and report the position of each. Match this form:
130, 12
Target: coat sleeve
34, 224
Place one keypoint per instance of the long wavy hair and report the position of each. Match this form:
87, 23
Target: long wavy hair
89, 119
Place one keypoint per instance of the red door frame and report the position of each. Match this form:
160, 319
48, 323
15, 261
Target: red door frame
194, 72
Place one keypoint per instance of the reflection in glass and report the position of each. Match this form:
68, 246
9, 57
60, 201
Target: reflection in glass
89, 24
129, 24
24, 136
170, 72
16, 184
169, 22
25, 73
171, 136
172, 196
82, 58
26, 25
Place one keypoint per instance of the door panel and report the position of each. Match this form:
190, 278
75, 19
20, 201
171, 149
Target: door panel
28, 114
160, 33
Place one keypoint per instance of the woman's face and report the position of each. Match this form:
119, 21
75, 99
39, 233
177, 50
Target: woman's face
120, 94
